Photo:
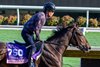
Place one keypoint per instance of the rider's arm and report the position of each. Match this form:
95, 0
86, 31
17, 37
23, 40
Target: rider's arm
37, 31
40, 22
37, 35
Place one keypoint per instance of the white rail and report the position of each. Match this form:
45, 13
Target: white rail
40, 7
14, 27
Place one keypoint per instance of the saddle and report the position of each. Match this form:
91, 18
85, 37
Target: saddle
22, 44
38, 44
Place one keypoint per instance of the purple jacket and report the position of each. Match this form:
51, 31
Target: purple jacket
36, 22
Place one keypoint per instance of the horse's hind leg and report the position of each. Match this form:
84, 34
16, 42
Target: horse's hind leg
37, 62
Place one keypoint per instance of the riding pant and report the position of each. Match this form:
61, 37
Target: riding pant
28, 38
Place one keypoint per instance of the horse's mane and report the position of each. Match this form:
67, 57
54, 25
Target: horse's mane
59, 33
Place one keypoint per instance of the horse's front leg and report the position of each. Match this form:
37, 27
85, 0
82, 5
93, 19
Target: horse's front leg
37, 62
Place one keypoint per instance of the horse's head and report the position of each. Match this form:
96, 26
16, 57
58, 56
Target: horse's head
78, 39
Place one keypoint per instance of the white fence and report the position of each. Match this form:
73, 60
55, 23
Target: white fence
14, 27
18, 7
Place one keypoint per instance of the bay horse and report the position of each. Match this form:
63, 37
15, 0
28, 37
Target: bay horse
54, 47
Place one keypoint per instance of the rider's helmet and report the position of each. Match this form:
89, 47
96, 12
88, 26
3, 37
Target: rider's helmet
49, 7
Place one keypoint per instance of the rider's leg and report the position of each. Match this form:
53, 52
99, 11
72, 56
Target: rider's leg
28, 38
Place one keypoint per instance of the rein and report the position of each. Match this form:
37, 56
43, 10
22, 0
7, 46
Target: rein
51, 42
34, 43
73, 35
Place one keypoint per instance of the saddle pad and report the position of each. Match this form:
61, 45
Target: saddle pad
16, 54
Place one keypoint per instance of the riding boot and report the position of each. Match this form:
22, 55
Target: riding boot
31, 61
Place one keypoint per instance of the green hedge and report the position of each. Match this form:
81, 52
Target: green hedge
54, 21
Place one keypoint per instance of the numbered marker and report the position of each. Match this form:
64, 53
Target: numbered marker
15, 52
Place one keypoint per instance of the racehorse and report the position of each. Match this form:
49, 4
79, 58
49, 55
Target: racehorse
54, 47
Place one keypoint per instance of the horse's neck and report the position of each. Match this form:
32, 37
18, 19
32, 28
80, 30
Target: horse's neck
61, 44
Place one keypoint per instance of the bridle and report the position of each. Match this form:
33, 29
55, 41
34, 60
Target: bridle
81, 47
73, 36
